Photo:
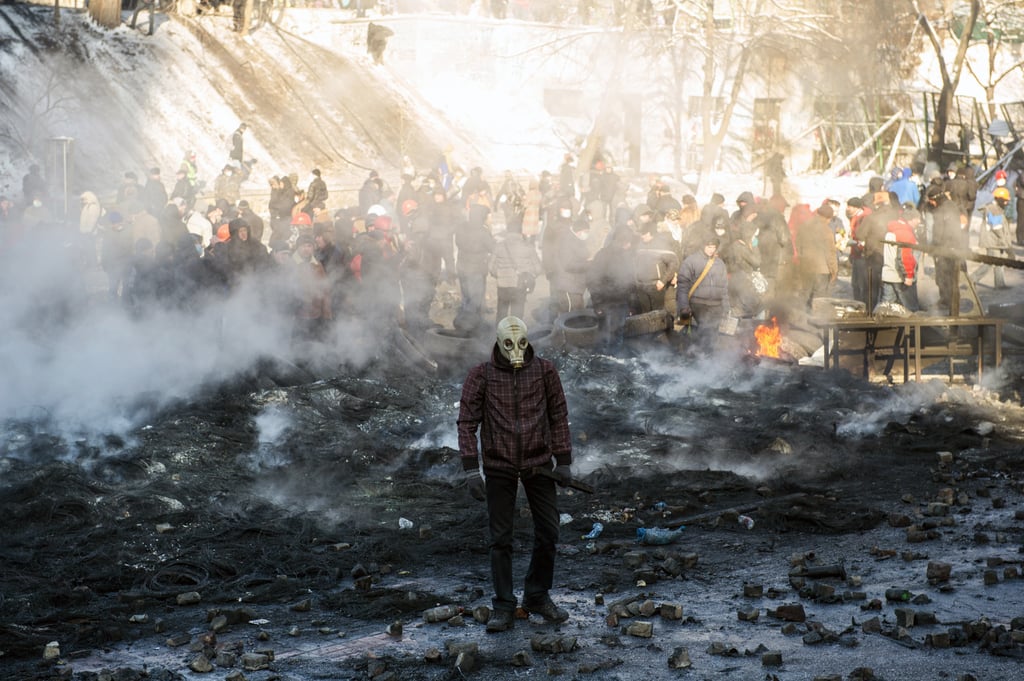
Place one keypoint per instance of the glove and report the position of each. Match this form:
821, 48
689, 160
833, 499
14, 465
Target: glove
564, 474
476, 485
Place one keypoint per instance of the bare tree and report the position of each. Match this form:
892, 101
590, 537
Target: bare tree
756, 30
996, 22
949, 72
106, 12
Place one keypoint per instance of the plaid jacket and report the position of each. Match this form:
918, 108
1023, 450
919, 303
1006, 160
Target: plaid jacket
521, 415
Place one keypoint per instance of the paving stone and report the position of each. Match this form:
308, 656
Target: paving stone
648, 608
812, 637
719, 648
521, 658
679, 659
51, 651
455, 647
790, 612
634, 559
790, 628
938, 640
553, 644
465, 662
862, 674
871, 626
990, 577
178, 640
748, 614
235, 675
305, 605
226, 659
938, 572
1011, 572
753, 590
641, 629
671, 611
904, 617
481, 614
689, 560
936, 508
255, 661
900, 520
188, 598
432, 655
772, 658
200, 664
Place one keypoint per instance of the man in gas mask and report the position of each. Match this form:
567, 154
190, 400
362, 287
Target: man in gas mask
516, 402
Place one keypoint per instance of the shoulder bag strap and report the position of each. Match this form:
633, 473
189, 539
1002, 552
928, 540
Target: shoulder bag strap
704, 273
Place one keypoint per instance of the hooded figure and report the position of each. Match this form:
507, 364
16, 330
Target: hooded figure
516, 403
475, 246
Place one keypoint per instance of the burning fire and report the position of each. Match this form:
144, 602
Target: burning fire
769, 339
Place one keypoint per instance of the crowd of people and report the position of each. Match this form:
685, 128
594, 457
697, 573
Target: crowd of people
383, 258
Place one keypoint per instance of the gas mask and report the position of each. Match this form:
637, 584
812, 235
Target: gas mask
512, 340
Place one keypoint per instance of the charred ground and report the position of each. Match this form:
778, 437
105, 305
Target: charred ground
300, 526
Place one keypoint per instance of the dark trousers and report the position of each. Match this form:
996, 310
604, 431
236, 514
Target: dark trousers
511, 301
874, 264
502, 487
859, 279
611, 322
473, 285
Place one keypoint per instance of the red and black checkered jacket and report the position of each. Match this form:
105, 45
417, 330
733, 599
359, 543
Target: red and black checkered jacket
521, 415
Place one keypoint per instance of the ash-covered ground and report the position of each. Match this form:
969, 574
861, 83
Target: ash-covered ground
281, 528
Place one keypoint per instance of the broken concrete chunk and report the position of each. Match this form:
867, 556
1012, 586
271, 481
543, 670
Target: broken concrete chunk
432, 655
871, 626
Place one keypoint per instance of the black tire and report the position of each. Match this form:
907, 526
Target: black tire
415, 354
544, 338
1013, 311
655, 321
578, 328
448, 345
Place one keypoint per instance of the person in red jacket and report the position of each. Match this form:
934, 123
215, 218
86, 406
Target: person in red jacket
899, 263
515, 400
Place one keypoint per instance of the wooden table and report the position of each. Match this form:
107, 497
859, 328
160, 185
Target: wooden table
908, 343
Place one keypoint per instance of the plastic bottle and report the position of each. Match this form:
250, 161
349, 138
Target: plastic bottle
746, 521
595, 532
657, 535
441, 613
898, 595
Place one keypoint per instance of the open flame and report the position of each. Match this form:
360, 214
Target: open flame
769, 339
